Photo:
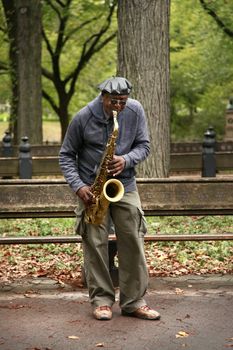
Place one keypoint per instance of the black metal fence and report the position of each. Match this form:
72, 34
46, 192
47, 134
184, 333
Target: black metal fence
207, 158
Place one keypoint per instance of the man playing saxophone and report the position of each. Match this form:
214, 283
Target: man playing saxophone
94, 150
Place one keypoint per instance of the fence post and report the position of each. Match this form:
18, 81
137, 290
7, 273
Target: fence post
229, 121
25, 159
208, 153
7, 150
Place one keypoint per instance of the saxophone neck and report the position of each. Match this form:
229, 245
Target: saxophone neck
115, 115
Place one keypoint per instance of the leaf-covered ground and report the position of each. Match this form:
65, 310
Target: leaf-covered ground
63, 262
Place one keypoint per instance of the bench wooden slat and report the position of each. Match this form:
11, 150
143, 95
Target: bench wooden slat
170, 196
148, 238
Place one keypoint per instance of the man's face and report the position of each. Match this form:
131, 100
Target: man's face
114, 103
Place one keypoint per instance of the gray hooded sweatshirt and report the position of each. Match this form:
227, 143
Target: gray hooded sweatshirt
86, 139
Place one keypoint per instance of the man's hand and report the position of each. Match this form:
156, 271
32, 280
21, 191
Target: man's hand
116, 165
85, 195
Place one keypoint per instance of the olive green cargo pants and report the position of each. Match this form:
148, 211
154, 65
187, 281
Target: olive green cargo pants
130, 228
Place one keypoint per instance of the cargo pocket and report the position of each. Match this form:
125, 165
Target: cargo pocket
80, 223
142, 224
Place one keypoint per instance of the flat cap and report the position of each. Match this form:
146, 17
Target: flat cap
116, 86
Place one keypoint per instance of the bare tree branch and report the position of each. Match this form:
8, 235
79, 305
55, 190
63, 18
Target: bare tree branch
47, 74
65, 86
63, 20
87, 53
50, 3
50, 100
217, 19
55, 53
60, 3
75, 30
47, 42
4, 66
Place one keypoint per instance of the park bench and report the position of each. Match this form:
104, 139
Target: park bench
181, 196
170, 196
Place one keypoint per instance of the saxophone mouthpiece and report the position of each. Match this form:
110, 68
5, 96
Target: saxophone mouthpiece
114, 114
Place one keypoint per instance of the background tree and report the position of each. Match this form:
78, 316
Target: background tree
201, 69
24, 30
4, 61
143, 57
220, 14
201, 56
73, 31
4, 67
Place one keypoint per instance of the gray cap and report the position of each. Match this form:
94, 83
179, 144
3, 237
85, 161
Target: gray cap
116, 86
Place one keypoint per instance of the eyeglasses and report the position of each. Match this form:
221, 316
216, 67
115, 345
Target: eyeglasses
116, 102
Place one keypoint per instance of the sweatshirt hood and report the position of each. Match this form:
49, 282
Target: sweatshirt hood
96, 107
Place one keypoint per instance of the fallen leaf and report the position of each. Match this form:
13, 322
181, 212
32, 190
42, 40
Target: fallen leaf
179, 291
182, 334
30, 295
16, 306
41, 273
73, 337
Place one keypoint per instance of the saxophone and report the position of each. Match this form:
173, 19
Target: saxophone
104, 190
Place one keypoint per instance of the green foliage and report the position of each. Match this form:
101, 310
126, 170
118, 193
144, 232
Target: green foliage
201, 69
36, 227
201, 61
190, 224
5, 88
84, 20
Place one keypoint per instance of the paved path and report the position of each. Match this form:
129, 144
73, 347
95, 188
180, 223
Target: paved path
197, 314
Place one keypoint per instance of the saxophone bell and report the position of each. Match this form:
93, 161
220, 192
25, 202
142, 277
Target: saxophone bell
113, 190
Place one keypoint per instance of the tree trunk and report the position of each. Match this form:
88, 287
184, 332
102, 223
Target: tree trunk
63, 114
24, 28
143, 58
29, 70
11, 19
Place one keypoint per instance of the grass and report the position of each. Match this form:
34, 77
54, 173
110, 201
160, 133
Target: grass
156, 225
36, 227
190, 224
64, 261
51, 131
